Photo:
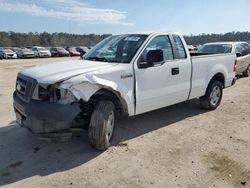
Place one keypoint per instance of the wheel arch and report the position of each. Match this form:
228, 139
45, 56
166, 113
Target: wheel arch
219, 77
111, 95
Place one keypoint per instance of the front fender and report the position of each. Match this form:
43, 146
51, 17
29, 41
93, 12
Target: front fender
85, 86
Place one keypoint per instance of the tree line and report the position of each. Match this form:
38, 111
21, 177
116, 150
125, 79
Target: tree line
230, 36
13, 39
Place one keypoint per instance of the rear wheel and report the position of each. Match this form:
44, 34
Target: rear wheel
246, 73
211, 100
102, 125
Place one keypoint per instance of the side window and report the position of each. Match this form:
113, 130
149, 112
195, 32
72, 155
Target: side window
179, 47
238, 49
246, 49
159, 42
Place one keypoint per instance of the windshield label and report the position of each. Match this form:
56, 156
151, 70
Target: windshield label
132, 39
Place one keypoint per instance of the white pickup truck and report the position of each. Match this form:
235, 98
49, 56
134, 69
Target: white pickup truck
123, 74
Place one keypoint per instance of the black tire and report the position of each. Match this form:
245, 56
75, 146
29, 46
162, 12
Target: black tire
99, 123
207, 101
246, 73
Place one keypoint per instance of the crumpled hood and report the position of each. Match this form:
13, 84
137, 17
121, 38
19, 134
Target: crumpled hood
55, 72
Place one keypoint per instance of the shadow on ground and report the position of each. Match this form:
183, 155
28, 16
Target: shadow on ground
24, 156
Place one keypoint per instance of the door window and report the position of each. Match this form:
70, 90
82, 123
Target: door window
162, 43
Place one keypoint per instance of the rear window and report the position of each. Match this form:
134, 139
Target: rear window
179, 47
216, 48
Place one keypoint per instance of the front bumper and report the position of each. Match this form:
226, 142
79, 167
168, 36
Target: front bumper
10, 56
44, 117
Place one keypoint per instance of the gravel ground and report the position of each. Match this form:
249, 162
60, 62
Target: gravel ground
177, 146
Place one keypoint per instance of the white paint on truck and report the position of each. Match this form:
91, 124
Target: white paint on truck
139, 83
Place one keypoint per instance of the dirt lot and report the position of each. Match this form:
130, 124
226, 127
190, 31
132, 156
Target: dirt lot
178, 146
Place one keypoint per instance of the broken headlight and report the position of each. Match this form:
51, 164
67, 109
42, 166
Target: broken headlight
54, 93
43, 93
66, 97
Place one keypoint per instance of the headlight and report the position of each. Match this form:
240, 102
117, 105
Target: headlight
43, 93
54, 94
66, 97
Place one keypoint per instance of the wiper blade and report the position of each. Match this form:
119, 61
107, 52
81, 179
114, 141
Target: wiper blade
97, 58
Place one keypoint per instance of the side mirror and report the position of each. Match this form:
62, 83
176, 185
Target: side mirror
154, 56
238, 54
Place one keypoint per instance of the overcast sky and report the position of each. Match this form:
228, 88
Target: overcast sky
125, 16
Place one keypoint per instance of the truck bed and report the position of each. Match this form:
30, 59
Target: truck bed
206, 65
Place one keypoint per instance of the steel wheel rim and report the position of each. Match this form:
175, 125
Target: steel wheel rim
110, 125
215, 95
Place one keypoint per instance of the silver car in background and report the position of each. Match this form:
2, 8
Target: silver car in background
41, 51
7, 54
241, 49
25, 53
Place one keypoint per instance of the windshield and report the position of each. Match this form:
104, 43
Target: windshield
26, 50
120, 48
72, 49
216, 48
41, 48
61, 49
7, 50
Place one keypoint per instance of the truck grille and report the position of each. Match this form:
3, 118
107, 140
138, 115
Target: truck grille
25, 87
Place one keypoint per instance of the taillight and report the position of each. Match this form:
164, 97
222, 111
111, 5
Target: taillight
235, 65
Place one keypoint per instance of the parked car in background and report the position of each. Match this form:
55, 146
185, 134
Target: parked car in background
25, 53
59, 52
41, 51
241, 49
72, 51
15, 49
82, 49
192, 48
7, 54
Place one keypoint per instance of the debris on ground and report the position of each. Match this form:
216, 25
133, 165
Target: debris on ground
56, 137
122, 144
36, 149
243, 183
16, 164
4, 174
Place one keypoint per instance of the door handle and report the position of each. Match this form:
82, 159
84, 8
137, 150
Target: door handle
175, 71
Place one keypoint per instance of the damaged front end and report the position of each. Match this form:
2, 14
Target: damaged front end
48, 108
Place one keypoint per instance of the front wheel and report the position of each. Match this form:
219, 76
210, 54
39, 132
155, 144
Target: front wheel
102, 125
211, 100
246, 73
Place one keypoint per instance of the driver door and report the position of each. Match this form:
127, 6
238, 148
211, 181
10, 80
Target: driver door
162, 84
